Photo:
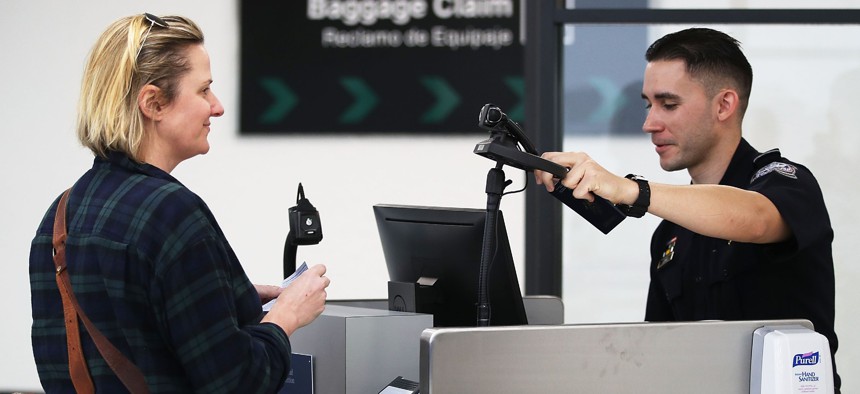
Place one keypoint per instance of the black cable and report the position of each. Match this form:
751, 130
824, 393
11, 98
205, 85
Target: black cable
521, 190
527, 177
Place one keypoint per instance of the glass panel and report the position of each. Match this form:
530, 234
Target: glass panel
713, 4
603, 79
803, 101
605, 4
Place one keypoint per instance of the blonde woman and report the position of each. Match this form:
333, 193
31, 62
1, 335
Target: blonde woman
147, 261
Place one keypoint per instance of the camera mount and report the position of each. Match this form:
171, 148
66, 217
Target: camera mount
508, 145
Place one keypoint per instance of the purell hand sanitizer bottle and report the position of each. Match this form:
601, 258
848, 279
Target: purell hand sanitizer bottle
789, 360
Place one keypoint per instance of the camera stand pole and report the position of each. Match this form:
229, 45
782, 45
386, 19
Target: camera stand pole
290, 249
496, 184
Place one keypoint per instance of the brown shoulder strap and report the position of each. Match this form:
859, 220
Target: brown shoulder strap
77, 365
125, 370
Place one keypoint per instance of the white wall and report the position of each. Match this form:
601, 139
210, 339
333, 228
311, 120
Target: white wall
250, 182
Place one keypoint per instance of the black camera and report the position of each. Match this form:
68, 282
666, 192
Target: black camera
503, 146
305, 229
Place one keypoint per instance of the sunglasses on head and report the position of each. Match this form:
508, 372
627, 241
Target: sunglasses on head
154, 21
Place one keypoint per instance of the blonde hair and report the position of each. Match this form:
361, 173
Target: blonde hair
132, 53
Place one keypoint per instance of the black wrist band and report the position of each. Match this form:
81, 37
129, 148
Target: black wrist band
638, 209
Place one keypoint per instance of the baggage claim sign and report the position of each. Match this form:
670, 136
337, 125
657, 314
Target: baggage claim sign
378, 66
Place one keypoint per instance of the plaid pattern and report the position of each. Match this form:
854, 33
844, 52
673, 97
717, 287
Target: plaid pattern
154, 272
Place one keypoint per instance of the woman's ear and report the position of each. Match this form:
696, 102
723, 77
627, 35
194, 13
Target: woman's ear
148, 102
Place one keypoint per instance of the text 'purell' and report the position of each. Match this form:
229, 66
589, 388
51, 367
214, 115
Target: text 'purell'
810, 358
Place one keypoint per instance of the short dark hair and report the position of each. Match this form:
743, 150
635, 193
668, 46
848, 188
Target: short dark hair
711, 57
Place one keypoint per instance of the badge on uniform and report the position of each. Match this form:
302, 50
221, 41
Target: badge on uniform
783, 169
668, 254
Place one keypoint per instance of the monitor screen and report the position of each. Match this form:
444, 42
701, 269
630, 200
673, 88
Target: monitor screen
445, 244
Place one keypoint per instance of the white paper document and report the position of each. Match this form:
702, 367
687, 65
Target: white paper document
304, 267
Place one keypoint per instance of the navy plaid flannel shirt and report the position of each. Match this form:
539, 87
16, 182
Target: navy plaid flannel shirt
152, 269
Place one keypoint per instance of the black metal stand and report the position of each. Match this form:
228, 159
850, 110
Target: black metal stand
290, 248
496, 185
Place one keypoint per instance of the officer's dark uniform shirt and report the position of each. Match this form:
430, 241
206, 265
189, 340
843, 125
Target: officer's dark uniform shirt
694, 277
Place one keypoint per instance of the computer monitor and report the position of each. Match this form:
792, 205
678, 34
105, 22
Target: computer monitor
445, 244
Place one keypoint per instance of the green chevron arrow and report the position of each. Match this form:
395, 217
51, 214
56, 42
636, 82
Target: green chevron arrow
517, 112
284, 100
365, 100
446, 99
612, 99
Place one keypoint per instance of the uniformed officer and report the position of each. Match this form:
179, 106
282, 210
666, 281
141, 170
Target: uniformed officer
750, 237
